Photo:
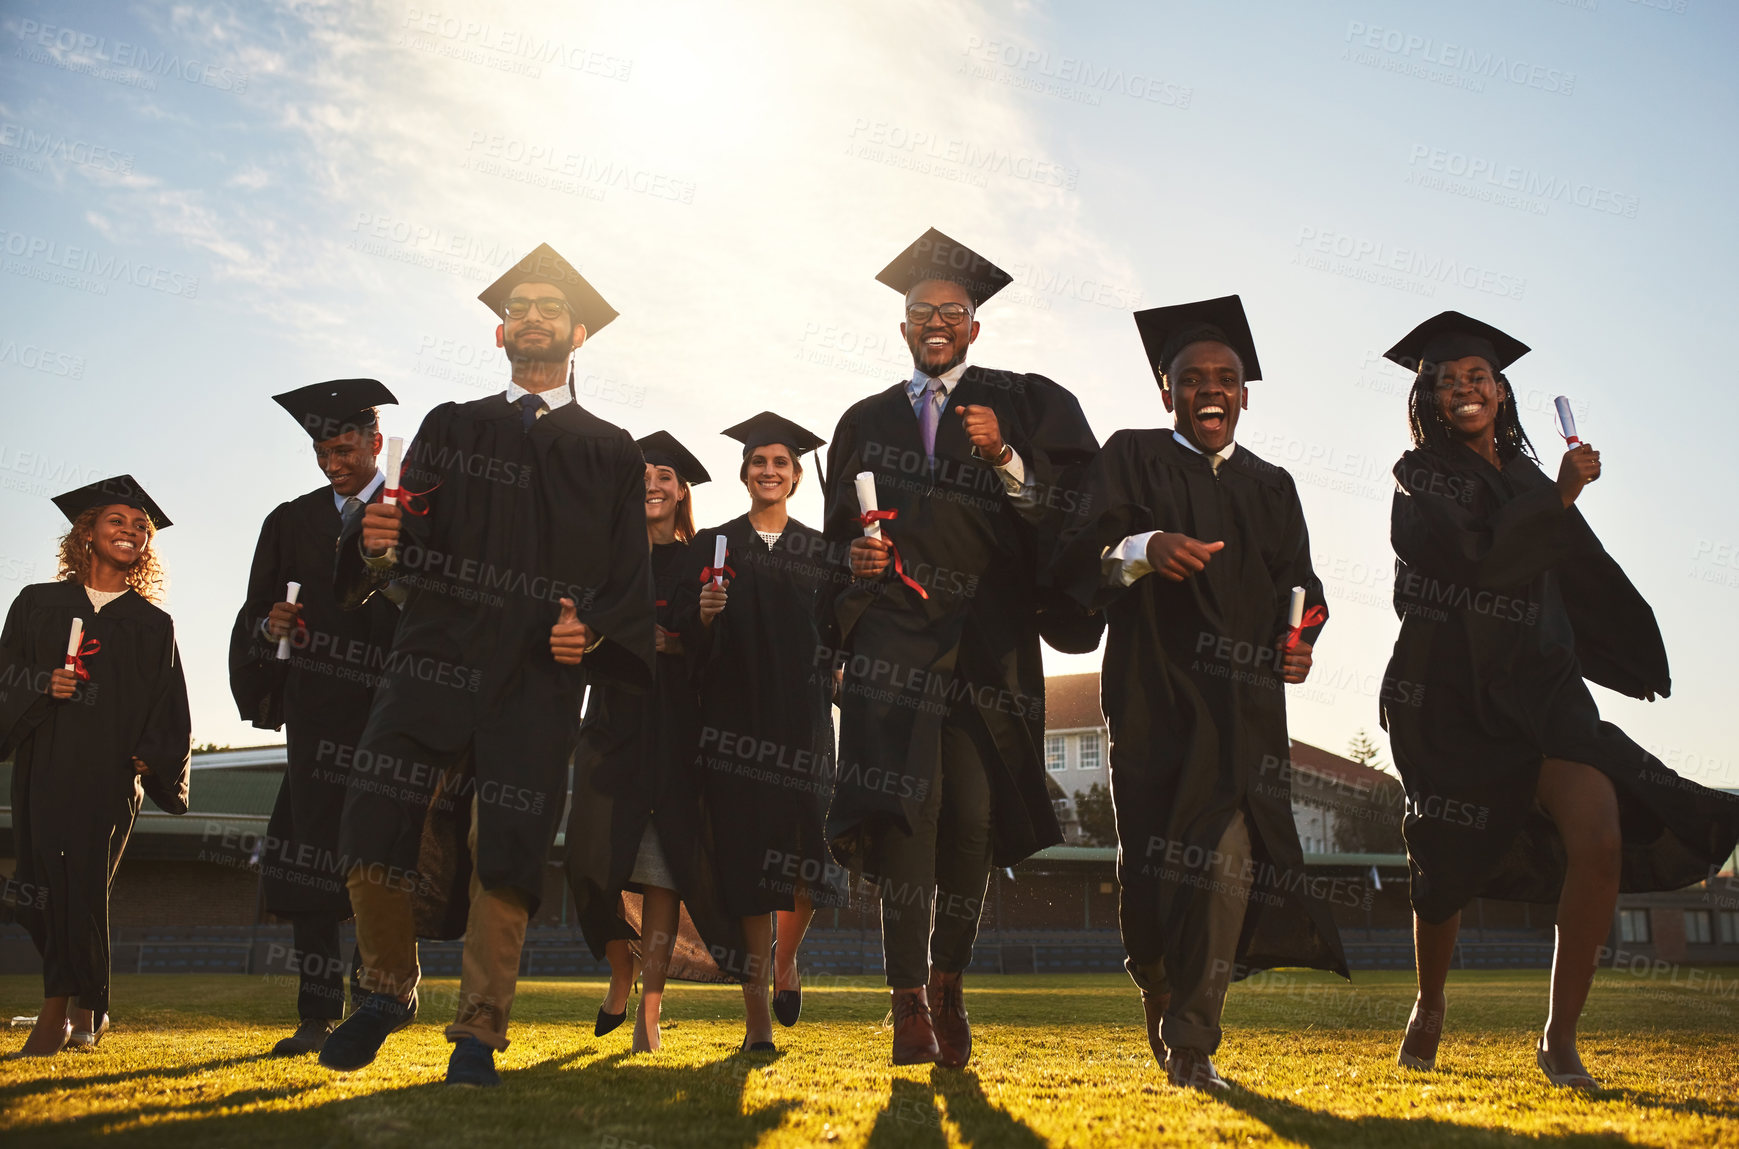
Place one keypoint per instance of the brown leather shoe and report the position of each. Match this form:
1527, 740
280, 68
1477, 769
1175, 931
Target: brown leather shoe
1193, 1069
914, 1035
1154, 1006
948, 1015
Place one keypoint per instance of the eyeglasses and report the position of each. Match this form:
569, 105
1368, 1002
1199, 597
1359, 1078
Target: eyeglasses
549, 308
952, 313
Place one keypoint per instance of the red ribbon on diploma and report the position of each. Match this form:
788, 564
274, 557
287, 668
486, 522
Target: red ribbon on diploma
76, 662
404, 495
868, 517
1315, 616
711, 573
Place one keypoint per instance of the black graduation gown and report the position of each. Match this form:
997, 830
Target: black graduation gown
636, 767
1507, 602
74, 790
973, 645
766, 729
322, 694
470, 704
1194, 703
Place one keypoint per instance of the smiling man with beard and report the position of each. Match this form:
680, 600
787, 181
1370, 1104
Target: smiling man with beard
519, 536
1192, 550
941, 773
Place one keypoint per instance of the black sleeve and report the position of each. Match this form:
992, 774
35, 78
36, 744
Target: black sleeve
1438, 524
256, 677
1292, 567
424, 472
167, 744
621, 611
1115, 508
24, 701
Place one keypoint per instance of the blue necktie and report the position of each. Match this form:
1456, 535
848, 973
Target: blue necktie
529, 407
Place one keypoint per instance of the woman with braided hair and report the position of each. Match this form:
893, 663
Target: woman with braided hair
1515, 788
95, 718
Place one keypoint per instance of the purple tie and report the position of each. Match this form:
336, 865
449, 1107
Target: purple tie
929, 413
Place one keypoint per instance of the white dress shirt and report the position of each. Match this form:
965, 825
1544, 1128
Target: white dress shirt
553, 398
365, 494
1022, 494
1127, 561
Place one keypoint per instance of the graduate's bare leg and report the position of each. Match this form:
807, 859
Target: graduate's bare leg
793, 924
53, 1027
1433, 950
1584, 807
758, 1017
658, 921
620, 955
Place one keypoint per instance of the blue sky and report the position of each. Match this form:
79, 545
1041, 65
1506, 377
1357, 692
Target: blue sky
202, 206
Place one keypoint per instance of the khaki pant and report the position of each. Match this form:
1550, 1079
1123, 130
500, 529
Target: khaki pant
489, 973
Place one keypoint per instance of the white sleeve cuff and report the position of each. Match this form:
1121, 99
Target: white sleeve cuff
1127, 561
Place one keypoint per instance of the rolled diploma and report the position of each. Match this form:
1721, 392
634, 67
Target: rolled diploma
719, 560
291, 590
1295, 615
1567, 420
866, 502
74, 639
395, 449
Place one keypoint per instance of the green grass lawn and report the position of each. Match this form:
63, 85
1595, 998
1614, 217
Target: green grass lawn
1058, 1061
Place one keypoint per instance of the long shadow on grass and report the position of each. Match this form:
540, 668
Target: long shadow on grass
631, 1099
1316, 1128
912, 1119
50, 1083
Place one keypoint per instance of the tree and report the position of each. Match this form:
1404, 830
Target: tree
1097, 820
1363, 751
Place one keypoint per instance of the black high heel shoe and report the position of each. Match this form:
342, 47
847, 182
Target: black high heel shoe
608, 1021
788, 1003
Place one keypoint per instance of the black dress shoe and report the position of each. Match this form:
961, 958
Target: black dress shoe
788, 1005
310, 1037
472, 1063
355, 1043
608, 1021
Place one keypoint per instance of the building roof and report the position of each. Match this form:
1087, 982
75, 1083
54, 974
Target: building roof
1072, 702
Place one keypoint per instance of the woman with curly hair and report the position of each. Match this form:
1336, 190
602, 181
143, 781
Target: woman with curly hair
94, 718
1515, 787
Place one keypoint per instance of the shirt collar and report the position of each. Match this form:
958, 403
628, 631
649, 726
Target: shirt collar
1222, 454
557, 397
365, 494
920, 381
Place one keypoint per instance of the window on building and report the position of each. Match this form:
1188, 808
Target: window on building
1092, 752
1633, 925
1697, 932
1056, 754
1729, 920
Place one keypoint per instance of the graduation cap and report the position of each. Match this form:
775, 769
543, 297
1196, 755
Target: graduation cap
935, 256
122, 489
662, 450
545, 265
1165, 331
767, 428
327, 410
1451, 335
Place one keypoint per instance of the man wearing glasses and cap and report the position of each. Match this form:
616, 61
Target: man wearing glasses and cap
941, 771
519, 535
321, 692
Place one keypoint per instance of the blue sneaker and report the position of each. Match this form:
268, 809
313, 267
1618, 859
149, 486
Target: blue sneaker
355, 1043
472, 1063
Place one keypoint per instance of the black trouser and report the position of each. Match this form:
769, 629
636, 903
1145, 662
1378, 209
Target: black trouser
933, 879
1215, 917
318, 959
